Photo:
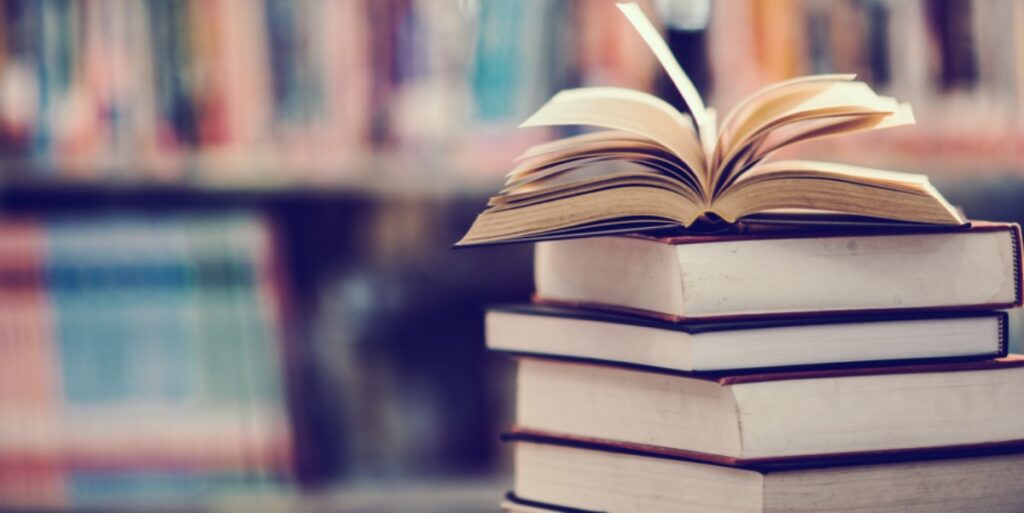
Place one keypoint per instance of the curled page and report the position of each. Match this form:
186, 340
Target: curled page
627, 110
687, 90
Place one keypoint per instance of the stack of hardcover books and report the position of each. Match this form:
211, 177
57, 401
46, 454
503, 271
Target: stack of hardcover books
774, 369
802, 358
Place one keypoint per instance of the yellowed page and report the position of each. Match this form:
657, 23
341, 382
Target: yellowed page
765, 98
650, 178
535, 166
834, 187
538, 161
612, 137
581, 167
563, 213
840, 99
687, 90
904, 115
573, 159
873, 176
803, 100
627, 110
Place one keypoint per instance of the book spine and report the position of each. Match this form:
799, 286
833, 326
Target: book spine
29, 470
1004, 335
1018, 269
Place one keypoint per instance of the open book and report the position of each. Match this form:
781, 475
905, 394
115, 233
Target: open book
654, 167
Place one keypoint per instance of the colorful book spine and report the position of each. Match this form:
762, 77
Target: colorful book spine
29, 469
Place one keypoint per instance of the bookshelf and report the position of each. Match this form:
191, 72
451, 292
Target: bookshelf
285, 95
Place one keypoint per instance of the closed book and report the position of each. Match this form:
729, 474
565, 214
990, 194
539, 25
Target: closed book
784, 271
713, 345
739, 418
552, 476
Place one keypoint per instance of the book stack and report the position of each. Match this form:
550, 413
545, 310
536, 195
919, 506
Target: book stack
783, 369
715, 331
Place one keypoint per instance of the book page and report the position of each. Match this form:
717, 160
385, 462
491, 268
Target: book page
651, 36
904, 115
582, 166
875, 177
799, 101
602, 137
535, 162
759, 148
651, 205
836, 188
838, 99
572, 152
627, 110
607, 181
765, 98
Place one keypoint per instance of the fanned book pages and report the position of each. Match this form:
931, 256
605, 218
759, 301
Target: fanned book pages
651, 166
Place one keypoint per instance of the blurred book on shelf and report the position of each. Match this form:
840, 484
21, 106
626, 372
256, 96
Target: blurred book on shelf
141, 360
155, 88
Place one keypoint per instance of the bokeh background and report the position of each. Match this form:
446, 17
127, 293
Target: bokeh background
226, 280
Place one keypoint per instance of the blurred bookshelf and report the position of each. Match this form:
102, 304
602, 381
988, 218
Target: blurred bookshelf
323, 155
277, 94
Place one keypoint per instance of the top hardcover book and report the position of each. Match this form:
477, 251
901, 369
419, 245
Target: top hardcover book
652, 166
780, 272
